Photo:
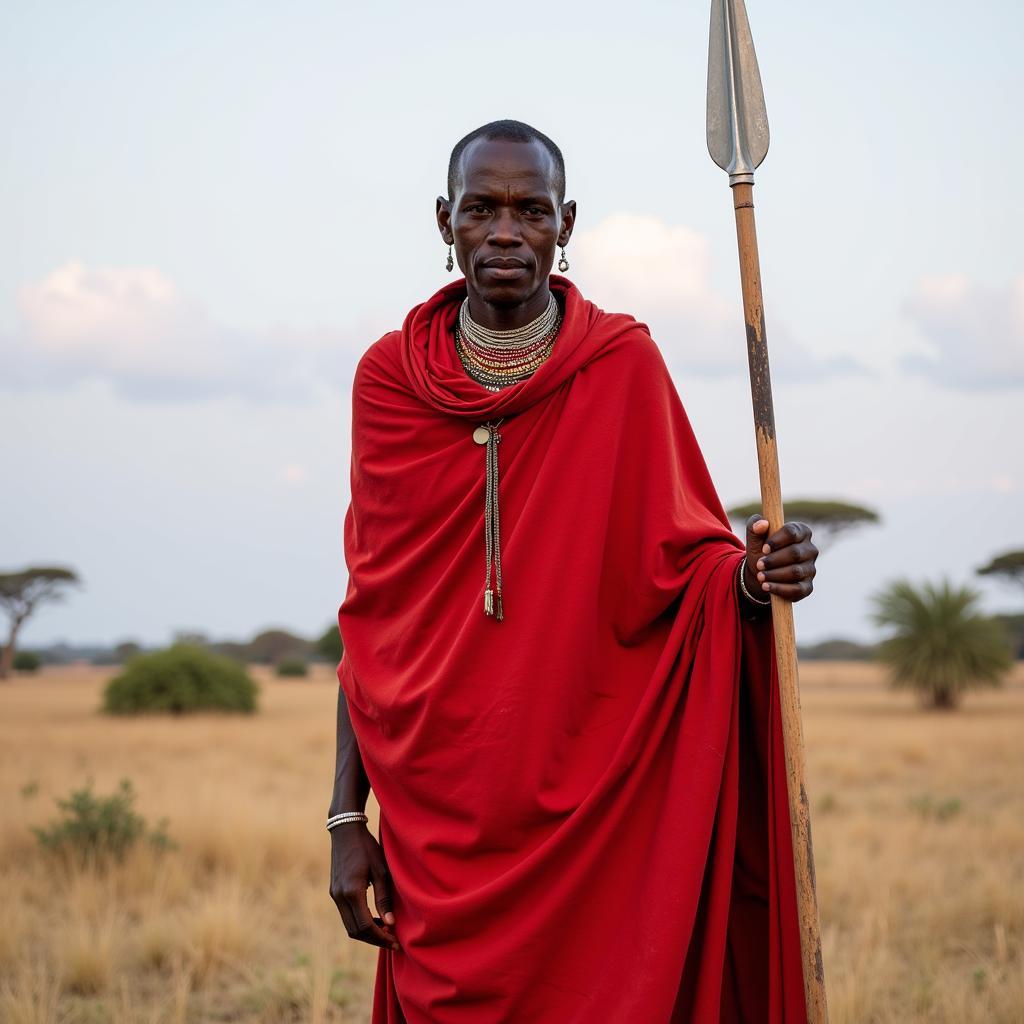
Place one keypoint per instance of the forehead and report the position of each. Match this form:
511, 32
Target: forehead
490, 165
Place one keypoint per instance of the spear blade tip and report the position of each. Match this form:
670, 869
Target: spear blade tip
737, 121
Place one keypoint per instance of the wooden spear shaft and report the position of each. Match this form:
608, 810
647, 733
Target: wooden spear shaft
782, 610
737, 135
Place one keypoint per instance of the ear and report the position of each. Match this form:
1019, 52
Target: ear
568, 221
444, 220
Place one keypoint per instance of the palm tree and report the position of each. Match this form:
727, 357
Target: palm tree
940, 646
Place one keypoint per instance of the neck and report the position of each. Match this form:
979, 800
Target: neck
507, 318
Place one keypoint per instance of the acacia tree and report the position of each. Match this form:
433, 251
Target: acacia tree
21, 593
939, 645
828, 519
1008, 567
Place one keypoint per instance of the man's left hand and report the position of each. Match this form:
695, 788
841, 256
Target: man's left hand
784, 561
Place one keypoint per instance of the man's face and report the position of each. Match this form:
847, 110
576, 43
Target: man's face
505, 220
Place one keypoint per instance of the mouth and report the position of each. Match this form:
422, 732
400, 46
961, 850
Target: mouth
504, 262
504, 266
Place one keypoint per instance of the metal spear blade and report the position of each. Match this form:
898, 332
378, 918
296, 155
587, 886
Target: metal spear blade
737, 119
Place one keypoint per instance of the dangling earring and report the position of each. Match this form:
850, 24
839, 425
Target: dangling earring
451, 262
563, 263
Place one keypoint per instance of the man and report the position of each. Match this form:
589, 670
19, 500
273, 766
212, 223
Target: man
578, 758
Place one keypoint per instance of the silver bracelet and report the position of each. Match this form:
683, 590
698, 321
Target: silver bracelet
339, 819
747, 593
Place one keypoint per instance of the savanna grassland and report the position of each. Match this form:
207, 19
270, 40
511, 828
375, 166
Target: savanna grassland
918, 827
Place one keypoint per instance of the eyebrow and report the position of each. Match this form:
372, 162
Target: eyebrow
473, 197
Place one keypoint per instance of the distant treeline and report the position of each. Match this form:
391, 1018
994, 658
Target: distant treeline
836, 649
272, 646
269, 647
839, 649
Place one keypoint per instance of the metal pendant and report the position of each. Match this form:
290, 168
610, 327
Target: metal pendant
480, 435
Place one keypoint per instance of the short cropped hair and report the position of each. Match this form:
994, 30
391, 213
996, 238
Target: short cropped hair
508, 131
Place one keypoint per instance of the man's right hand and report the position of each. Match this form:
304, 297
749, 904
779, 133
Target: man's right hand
357, 861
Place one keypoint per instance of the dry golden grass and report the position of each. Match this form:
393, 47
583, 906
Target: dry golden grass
236, 923
919, 840
919, 835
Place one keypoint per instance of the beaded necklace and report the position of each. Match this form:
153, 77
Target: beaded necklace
497, 359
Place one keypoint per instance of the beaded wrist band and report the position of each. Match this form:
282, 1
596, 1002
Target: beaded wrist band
746, 593
339, 819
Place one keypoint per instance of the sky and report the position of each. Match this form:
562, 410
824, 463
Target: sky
209, 211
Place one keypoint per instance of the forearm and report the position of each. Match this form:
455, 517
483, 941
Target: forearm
351, 786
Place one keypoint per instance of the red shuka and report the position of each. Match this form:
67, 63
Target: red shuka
583, 805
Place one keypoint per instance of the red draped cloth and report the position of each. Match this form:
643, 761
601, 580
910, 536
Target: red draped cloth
583, 805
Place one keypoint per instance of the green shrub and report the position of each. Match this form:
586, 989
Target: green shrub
936, 810
329, 646
179, 679
26, 661
97, 828
292, 667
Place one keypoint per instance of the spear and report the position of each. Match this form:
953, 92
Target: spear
738, 141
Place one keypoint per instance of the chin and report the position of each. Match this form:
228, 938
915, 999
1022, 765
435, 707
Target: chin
512, 293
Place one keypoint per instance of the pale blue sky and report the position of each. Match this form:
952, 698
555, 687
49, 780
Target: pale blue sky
210, 210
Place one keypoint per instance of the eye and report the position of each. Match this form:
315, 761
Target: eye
476, 208
536, 211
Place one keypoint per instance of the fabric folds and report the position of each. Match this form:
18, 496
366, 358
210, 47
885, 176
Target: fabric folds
583, 805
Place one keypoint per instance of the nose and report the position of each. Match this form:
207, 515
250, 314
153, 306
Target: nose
505, 229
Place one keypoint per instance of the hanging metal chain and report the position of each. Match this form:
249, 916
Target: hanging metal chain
493, 604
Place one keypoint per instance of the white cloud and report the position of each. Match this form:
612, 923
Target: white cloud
661, 273
129, 322
133, 327
975, 334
